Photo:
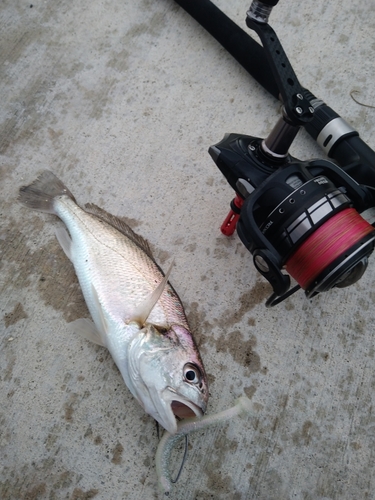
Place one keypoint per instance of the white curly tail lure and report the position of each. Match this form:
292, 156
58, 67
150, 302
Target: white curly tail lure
168, 441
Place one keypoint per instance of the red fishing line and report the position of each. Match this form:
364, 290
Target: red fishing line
327, 243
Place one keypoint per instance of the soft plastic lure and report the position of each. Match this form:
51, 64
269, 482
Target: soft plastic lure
184, 428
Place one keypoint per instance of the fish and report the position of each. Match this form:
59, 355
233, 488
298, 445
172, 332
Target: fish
136, 313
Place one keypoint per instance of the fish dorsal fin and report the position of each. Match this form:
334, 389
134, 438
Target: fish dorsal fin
143, 310
121, 226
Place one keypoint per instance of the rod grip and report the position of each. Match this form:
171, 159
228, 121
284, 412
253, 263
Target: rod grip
235, 40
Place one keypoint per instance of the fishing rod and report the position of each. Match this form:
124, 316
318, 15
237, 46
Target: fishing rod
302, 217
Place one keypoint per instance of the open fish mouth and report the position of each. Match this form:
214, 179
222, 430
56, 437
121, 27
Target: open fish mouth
170, 404
183, 408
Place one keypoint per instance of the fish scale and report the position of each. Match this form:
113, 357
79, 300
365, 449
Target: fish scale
108, 263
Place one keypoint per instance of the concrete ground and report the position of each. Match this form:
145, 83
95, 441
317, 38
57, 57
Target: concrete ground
121, 100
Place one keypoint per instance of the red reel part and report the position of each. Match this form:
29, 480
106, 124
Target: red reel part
229, 225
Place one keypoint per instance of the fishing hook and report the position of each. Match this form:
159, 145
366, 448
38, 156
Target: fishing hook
183, 460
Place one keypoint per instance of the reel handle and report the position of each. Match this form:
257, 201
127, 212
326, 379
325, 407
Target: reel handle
298, 107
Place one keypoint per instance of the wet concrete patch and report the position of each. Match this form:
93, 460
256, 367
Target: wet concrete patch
246, 302
14, 316
7, 374
42, 481
117, 454
242, 351
44, 268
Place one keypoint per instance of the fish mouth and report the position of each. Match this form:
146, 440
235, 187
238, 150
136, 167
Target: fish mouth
181, 410
184, 408
172, 405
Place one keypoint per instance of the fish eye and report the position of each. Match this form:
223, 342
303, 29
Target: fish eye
192, 373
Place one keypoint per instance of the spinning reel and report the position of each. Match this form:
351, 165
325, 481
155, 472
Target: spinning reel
299, 216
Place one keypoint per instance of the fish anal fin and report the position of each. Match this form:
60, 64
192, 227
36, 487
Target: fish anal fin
103, 326
65, 241
87, 329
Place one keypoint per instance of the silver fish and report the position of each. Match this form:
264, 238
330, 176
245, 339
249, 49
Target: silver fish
136, 313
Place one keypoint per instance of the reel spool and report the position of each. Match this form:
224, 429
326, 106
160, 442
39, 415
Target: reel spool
314, 233
336, 254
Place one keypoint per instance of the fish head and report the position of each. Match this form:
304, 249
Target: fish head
167, 374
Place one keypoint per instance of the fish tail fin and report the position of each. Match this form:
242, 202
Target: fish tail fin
39, 195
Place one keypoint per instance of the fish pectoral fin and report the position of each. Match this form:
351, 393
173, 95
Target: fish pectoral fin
143, 310
65, 241
87, 329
